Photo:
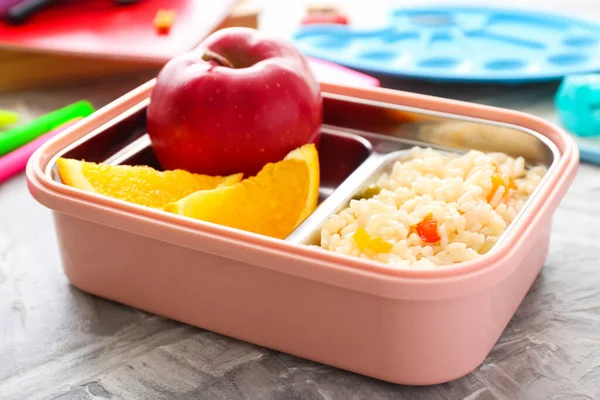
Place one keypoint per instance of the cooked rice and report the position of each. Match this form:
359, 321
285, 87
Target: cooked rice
454, 188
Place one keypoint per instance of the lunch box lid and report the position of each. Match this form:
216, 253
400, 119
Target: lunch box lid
302, 260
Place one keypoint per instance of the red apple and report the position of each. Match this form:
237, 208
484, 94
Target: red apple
242, 99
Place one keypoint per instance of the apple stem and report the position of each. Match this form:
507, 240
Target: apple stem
219, 59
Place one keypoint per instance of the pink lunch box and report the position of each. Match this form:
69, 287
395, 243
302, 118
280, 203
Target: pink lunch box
412, 326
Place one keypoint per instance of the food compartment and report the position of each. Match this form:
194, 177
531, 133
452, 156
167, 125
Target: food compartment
124, 141
376, 176
526, 161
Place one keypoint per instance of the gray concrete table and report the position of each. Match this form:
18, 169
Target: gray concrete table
57, 342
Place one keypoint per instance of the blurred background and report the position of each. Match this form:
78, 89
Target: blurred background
69, 43
96, 50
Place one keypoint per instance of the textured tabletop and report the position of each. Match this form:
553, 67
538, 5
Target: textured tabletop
57, 342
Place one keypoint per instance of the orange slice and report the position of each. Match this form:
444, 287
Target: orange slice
137, 184
272, 203
309, 154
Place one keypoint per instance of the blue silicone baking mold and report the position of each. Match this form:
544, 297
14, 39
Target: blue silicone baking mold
461, 44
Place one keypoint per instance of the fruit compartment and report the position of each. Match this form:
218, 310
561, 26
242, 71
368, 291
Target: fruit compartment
124, 141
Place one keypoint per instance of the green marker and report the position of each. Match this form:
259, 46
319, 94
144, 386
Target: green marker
8, 117
18, 136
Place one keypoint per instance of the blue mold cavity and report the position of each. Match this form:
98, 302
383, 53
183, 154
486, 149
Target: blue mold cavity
567, 59
377, 55
332, 42
582, 41
506, 64
394, 37
505, 38
440, 37
439, 62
